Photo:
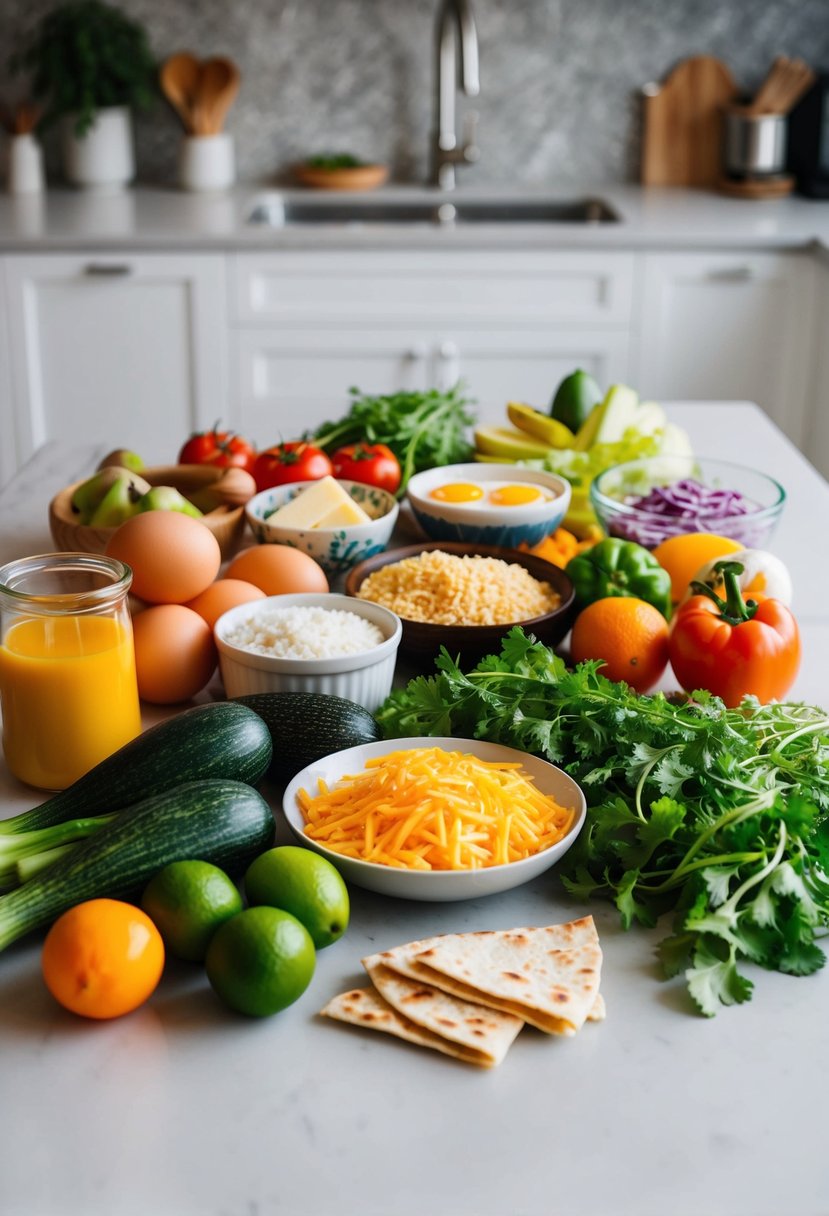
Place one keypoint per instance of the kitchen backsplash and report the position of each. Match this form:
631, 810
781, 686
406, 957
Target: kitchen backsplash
559, 78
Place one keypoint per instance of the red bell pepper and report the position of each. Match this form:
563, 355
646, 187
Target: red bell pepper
734, 647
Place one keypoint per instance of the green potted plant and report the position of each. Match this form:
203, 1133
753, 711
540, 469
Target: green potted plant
90, 65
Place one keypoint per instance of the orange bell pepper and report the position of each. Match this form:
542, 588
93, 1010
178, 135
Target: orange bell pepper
734, 647
563, 545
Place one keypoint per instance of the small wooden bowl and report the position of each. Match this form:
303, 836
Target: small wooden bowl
226, 523
422, 641
361, 177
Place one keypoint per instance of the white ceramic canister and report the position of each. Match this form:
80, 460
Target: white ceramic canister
102, 159
25, 165
207, 162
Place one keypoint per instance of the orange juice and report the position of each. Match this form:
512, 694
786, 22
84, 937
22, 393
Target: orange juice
69, 695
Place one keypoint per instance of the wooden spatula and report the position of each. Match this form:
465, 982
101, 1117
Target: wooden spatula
218, 86
180, 84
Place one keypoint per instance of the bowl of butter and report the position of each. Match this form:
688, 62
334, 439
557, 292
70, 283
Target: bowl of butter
337, 522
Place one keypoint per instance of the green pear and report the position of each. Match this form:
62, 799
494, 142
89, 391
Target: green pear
124, 459
119, 503
91, 493
168, 498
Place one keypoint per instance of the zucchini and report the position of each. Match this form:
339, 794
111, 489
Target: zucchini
217, 740
305, 726
224, 822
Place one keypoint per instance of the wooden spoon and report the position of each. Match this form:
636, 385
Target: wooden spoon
180, 80
218, 87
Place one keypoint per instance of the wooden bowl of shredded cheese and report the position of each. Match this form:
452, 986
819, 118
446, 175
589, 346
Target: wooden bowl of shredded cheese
465, 597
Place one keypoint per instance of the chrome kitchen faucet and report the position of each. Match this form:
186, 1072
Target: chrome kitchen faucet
457, 41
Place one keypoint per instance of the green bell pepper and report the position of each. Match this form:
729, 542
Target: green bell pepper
620, 567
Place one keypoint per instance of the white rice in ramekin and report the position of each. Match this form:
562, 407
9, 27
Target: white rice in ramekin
304, 633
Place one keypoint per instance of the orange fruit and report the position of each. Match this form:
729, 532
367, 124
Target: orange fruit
682, 556
102, 958
628, 634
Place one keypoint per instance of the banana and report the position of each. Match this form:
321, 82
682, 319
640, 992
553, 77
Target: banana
504, 443
549, 430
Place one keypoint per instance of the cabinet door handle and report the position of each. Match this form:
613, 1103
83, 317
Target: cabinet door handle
448, 364
732, 274
108, 270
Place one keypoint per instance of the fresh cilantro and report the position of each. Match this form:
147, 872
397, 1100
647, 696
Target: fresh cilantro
423, 430
719, 815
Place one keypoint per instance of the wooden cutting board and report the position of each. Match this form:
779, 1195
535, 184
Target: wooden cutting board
682, 136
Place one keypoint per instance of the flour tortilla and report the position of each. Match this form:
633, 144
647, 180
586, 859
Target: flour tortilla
366, 1007
547, 976
488, 1033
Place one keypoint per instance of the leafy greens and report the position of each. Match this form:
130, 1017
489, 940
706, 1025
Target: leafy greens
718, 815
422, 429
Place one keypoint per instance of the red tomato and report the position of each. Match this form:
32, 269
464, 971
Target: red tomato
221, 448
372, 463
290, 462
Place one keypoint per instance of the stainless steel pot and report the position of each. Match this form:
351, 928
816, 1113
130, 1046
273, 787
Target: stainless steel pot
755, 144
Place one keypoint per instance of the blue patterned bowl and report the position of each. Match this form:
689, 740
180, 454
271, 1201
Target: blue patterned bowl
336, 549
473, 524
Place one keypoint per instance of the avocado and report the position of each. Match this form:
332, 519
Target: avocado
574, 399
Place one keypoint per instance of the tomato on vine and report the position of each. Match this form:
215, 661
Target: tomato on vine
374, 464
286, 462
223, 449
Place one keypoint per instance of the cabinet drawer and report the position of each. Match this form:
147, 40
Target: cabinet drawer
290, 382
388, 287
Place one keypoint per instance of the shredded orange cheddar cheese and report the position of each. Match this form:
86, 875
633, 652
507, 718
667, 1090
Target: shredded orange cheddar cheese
429, 809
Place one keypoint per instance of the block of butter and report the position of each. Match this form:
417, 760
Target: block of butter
324, 504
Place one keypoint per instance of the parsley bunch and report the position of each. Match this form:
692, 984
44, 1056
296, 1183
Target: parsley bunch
424, 430
716, 815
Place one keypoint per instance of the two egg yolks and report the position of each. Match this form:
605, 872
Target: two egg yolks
503, 496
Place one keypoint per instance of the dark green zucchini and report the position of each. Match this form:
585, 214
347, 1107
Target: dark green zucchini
305, 726
217, 740
224, 822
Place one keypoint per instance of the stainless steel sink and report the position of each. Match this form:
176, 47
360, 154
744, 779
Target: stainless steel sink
277, 212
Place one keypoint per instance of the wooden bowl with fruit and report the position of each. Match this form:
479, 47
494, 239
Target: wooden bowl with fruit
83, 516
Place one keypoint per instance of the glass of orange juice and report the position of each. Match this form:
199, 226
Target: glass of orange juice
68, 690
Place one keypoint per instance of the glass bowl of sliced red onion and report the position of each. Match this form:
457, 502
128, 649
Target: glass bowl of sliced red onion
656, 497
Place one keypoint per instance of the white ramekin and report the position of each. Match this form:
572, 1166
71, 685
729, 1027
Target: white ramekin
365, 678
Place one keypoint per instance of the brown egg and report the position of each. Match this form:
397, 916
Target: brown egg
173, 557
278, 570
175, 655
225, 593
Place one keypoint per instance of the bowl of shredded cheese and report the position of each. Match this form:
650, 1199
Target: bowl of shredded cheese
465, 597
435, 818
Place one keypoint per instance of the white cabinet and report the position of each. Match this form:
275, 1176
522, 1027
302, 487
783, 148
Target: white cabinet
510, 324
817, 437
139, 350
8, 447
730, 326
290, 380
126, 349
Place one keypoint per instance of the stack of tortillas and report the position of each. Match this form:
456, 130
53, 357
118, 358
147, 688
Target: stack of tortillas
469, 994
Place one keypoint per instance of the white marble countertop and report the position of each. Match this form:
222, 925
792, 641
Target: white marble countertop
183, 1108
147, 218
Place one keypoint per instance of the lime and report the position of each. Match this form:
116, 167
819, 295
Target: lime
575, 398
187, 901
260, 961
304, 884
